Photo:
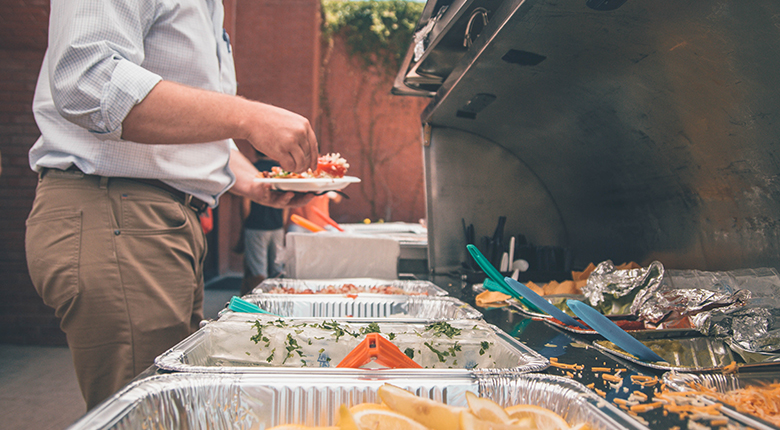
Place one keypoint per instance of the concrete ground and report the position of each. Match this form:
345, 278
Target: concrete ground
38, 387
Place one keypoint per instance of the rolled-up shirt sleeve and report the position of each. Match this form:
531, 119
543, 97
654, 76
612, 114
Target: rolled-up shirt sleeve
96, 56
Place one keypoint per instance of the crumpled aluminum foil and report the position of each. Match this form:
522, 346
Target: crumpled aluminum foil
741, 306
617, 289
421, 37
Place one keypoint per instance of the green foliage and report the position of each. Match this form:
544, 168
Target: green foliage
379, 32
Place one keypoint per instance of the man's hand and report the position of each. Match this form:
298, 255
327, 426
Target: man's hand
263, 194
281, 135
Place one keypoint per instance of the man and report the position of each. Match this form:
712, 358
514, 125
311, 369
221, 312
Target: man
135, 103
263, 236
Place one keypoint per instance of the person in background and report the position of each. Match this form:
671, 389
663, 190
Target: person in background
322, 204
137, 110
263, 239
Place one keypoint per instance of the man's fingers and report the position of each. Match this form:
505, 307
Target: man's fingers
313, 150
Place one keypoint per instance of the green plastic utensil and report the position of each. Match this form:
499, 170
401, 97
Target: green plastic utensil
497, 278
238, 304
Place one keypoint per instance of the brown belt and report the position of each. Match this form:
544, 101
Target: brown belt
189, 200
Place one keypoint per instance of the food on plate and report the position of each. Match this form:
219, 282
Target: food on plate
402, 410
329, 166
346, 289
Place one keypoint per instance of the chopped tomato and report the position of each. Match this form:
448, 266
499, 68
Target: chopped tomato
330, 169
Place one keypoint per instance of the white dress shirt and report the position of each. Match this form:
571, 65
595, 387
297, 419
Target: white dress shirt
104, 56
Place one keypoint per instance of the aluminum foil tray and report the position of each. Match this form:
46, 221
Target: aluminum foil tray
386, 307
247, 401
723, 383
410, 287
316, 346
685, 354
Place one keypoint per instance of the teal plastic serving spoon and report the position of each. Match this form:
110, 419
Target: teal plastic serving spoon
497, 278
238, 304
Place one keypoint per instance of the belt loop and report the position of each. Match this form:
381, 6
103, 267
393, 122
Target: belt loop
104, 182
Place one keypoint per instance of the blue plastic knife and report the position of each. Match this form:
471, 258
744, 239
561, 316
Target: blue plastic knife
496, 276
612, 331
542, 303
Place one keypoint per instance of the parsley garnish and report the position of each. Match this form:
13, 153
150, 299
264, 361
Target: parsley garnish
409, 353
443, 328
440, 354
371, 328
483, 347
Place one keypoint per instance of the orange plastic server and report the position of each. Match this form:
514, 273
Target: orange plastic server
326, 218
303, 222
379, 350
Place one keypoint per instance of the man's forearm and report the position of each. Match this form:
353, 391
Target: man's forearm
172, 114
177, 114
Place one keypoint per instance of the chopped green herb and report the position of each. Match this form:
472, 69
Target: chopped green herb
441, 354
271, 357
484, 345
292, 347
371, 328
391, 336
409, 353
454, 348
443, 328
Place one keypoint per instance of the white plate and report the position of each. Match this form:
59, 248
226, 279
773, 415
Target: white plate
305, 185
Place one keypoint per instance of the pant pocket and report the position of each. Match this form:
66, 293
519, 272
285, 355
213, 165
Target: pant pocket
52, 246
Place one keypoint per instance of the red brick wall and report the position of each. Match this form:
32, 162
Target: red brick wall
378, 133
23, 316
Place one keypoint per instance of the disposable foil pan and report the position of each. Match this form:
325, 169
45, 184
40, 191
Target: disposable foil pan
410, 287
386, 307
248, 401
723, 383
287, 345
685, 354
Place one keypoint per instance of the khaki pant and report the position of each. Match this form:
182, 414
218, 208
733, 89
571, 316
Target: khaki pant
121, 263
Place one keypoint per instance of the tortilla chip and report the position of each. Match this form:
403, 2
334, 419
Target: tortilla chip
535, 288
565, 287
489, 298
583, 276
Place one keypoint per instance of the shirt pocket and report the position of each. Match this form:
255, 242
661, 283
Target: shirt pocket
52, 245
